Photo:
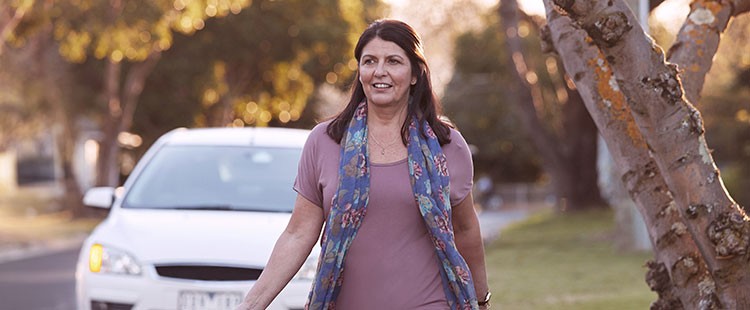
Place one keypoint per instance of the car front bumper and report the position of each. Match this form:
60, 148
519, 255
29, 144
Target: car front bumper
149, 291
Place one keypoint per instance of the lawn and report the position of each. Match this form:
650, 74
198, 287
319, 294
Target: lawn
566, 261
33, 215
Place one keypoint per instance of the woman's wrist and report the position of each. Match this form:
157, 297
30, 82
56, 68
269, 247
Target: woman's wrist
484, 300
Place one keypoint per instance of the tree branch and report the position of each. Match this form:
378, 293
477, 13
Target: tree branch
697, 42
10, 26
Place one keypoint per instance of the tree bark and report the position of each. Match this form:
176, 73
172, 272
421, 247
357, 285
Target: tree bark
677, 272
121, 108
697, 42
674, 130
572, 162
106, 159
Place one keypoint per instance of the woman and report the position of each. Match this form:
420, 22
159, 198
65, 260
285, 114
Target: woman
401, 231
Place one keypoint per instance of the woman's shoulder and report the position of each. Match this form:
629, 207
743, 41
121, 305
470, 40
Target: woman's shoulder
319, 137
320, 130
457, 139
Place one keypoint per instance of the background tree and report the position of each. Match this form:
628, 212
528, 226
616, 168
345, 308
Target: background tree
129, 38
15, 115
272, 54
640, 106
477, 101
569, 152
530, 101
260, 67
11, 14
36, 84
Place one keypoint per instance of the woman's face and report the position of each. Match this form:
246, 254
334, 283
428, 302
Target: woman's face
385, 73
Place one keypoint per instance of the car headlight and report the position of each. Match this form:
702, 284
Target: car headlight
105, 259
308, 270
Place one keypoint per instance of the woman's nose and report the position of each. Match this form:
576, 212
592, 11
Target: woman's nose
380, 70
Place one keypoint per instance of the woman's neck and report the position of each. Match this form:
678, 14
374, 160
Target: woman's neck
384, 129
386, 118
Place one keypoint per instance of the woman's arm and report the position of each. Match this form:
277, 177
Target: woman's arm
288, 254
469, 243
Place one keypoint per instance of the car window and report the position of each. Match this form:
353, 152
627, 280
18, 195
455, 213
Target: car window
211, 177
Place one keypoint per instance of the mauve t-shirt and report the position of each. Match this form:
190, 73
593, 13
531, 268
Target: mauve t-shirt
391, 264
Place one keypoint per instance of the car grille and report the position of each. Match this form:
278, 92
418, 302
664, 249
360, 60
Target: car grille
103, 305
208, 273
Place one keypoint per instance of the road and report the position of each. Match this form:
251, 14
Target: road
39, 283
47, 282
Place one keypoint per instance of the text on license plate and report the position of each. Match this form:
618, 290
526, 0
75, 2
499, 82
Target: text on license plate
199, 300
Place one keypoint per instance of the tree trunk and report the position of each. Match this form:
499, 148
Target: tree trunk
106, 164
571, 163
580, 139
632, 67
676, 273
73, 199
50, 73
121, 108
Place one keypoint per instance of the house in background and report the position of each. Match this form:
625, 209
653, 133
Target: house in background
36, 160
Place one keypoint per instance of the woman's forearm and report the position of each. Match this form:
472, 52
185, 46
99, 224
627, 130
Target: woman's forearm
288, 255
290, 252
469, 244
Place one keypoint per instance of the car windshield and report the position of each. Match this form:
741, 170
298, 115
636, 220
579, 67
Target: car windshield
217, 178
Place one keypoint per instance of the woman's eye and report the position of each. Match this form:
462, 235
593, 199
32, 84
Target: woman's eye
368, 61
393, 61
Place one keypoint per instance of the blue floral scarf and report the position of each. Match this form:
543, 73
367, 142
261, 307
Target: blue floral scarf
429, 177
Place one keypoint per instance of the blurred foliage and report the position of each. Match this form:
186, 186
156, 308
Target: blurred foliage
480, 100
259, 67
118, 29
223, 62
33, 80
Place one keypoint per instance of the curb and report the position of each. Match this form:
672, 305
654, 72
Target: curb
10, 253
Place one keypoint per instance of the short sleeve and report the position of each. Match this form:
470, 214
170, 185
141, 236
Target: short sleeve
460, 167
307, 182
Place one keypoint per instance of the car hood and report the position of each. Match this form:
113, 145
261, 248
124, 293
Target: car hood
193, 236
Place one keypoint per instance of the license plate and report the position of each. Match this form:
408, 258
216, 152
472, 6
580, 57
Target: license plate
198, 300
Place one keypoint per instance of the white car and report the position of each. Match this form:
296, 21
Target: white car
195, 223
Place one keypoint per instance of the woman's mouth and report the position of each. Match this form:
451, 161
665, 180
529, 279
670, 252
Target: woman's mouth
381, 85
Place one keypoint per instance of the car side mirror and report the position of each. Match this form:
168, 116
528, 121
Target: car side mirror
99, 197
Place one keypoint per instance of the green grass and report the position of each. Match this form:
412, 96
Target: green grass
553, 261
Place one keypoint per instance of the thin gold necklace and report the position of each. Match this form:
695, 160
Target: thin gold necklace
382, 147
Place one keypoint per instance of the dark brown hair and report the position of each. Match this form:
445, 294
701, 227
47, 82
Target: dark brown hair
423, 102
